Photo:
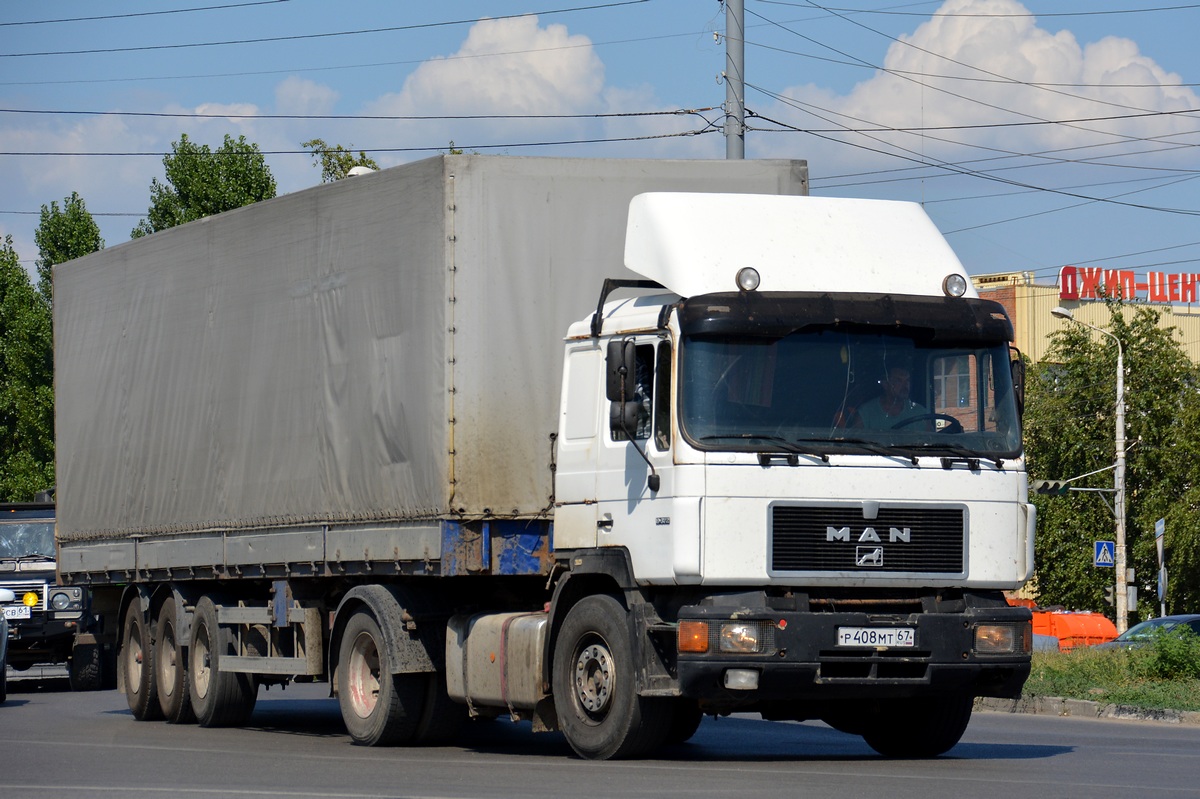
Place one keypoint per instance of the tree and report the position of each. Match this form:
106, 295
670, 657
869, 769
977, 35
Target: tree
200, 183
1070, 431
336, 161
62, 235
26, 383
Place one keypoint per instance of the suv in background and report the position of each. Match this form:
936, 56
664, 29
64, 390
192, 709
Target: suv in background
43, 617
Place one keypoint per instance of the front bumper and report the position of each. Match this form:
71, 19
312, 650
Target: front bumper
802, 660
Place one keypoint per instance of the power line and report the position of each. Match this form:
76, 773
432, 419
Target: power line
142, 13
326, 35
358, 117
955, 14
710, 128
916, 157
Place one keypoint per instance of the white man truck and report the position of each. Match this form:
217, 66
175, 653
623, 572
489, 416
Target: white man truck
571, 441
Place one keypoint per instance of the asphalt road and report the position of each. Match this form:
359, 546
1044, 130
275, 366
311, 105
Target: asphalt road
54, 743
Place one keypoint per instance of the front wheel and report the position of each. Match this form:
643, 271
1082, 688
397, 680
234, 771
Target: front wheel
918, 728
595, 686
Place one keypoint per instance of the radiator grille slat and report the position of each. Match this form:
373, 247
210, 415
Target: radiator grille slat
838, 539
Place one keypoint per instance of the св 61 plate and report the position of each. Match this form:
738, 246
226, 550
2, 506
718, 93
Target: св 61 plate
876, 636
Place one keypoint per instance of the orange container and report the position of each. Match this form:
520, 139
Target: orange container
1074, 628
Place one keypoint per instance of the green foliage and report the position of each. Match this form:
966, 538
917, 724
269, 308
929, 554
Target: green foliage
62, 235
1173, 654
26, 383
1070, 431
1164, 674
200, 183
336, 161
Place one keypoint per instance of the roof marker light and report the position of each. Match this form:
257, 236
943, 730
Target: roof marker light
955, 285
747, 278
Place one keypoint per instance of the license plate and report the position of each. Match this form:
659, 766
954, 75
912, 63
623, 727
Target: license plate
16, 612
876, 636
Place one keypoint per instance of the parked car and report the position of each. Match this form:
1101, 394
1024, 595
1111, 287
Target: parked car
6, 597
1143, 633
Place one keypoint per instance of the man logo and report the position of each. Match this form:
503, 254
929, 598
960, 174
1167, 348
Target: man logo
868, 556
895, 535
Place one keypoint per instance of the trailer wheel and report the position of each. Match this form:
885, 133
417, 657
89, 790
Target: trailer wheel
918, 728
379, 708
219, 698
171, 666
84, 668
595, 691
137, 663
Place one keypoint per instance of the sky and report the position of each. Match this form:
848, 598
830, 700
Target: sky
1035, 134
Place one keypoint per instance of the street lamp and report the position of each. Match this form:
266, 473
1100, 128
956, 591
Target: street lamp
1121, 592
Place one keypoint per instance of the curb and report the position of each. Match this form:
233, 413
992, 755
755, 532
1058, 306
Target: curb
1083, 708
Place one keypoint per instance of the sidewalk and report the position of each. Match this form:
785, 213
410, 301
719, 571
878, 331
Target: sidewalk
1083, 708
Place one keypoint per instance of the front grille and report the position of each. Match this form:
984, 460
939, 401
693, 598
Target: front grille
839, 539
22, 588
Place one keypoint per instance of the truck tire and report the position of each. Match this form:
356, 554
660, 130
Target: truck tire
218, 698
918, 728
137, 663
595, 686
84, 671
379, 708
171, 664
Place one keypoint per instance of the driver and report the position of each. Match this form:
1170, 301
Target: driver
893, 406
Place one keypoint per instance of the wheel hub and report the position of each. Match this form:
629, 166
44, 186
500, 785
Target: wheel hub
594, 678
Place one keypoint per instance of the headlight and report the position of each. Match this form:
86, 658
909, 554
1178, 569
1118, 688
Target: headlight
60, 601
740, 637
1003, 639
30, 600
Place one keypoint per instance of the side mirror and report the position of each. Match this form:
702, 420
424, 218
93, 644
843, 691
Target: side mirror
1018, 382
622, 372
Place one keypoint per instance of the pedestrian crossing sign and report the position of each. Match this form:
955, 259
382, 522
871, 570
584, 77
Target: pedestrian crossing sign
1106, 554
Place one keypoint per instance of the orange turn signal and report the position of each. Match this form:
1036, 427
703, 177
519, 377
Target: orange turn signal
693, 636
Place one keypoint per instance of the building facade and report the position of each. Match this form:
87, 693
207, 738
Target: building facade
1081, 290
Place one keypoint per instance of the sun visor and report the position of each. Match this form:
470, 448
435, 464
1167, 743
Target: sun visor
695, 244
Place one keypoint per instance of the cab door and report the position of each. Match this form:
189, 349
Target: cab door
630, 456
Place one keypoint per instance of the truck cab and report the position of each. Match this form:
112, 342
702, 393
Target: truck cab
810, 461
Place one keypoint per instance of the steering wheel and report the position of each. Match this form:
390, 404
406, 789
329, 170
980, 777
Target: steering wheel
952, 425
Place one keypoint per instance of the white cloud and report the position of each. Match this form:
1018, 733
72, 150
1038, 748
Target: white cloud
300, 96
543, 71
979, 67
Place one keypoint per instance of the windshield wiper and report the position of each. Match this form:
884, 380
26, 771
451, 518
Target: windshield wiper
34, 556
870, 446
955, 452
790, 447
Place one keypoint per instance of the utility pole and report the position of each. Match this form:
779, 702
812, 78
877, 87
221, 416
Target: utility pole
735, 79
1121, 594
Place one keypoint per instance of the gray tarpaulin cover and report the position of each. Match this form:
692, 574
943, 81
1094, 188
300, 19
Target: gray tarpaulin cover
387, 347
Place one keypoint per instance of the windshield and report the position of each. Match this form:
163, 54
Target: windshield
1145, 630
20, 539
825, 389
